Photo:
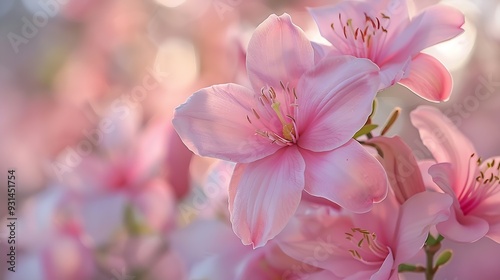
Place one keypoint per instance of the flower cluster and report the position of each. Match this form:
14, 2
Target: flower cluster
216, 140
314, 191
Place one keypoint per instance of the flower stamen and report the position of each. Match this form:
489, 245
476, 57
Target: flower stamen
287, 135
368, 243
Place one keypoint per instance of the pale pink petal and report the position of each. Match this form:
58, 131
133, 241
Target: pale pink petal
397, 10
335, 99
445, 142
332, 24
386, 268
349, 176
326, 16
278, 51
382, 219
102, 216
213, 123
401, 167
458, 227
177, 163
416, 220
325, 242
222, 266
322, 275
463, 228
494, 231
487, 209
264, 194
392, 72
321, 50
434, 25
424, 166
428, 78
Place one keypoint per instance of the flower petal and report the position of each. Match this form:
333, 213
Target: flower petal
458, 227
428, 78
264, 194
434, 25
321, 50
445, 142
278, 51
463, 228
348, 176
213, 123
386, 268
337, 16
488, 208
333, 24
335, 99
393, 72
415, 222
401, 167
424, 166
321, 246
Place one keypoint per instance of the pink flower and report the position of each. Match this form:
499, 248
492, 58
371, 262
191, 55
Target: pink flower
473, 184
291, 132
384, 33
51, 242
369, 245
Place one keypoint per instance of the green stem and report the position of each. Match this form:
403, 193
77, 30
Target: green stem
430, 252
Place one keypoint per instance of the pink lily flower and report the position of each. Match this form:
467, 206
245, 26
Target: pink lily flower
473, 183
383, 32
291, 132
369, 245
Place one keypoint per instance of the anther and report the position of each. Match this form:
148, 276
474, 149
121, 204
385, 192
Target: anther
255, 113
282, 85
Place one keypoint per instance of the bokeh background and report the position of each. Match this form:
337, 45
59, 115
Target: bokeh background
104, 187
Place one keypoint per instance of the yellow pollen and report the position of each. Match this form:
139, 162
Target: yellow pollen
288, 129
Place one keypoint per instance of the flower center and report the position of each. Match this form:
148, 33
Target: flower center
363, 38
367, 249
485, 184
275, 121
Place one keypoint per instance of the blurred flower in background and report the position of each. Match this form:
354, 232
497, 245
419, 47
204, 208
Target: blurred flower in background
105, 189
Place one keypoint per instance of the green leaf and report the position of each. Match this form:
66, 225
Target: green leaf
365, 130
444, 257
